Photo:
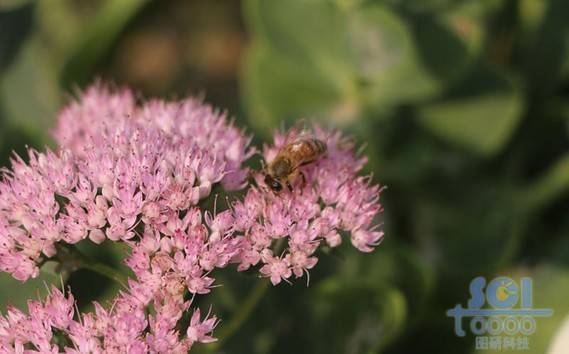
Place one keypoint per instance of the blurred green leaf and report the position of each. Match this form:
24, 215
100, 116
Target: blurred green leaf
467, 21
438, 6
366, 319
379, 40
50, 15
438, 46
547, 57
394, 265
15, 140
482, 124
470, 232
370, 298
16, 20
553, 184
395, 312
532, 14
558, 250
446, 54
7, 5
364, 57
291, 29
388, 60
276, 89
323, 67
480, 114
410, 58
16, 293
29, 93
97, 39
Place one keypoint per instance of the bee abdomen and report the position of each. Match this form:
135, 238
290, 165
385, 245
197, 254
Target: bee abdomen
306, 151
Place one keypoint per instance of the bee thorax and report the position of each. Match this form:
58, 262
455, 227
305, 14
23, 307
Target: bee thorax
281, 167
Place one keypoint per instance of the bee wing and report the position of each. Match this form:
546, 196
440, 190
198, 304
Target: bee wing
297, 132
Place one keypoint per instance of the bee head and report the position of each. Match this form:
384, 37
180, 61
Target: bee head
273, 183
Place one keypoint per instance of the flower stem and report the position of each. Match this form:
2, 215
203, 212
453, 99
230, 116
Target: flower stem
106, 271
244, 313
70, 259
246, 308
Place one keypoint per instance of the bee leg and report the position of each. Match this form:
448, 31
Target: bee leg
292, 178
303, 179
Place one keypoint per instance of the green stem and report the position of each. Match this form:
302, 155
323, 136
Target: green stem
70, 259
106, 271
247, 307
244, 313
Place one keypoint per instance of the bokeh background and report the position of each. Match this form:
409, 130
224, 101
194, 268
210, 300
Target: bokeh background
462, 105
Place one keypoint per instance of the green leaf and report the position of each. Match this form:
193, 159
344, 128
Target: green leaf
482, 124
553, 184
7, 5
292, 30
368, 47
367, 55
480, 115
97, 39
532, 14
439, 49
334, 68
446, 45
377, 292
16, 19
396, 265
365, 318
63, 39
468, 22
276, 89
547, 54
16, 293
29, 93
394, 313
387, 60
471, 230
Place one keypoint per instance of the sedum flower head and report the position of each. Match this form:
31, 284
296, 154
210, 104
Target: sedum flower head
119, 165
333, 201
136, 173
125, 328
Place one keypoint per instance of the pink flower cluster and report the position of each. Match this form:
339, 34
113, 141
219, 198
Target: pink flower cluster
125, 328
136, 174
331, 200
119, 166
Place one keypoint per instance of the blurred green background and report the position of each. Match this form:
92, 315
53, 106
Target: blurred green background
463, 107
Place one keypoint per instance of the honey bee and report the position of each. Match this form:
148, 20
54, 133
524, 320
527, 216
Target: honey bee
284, 168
